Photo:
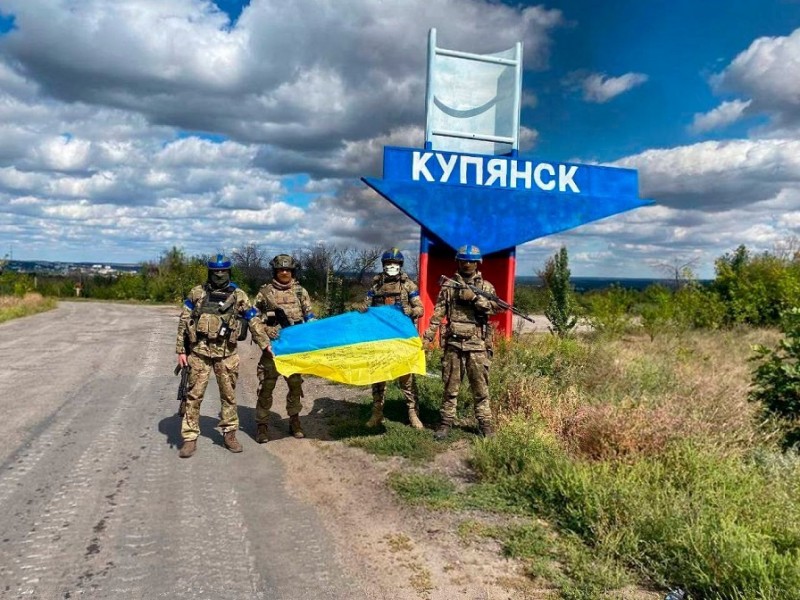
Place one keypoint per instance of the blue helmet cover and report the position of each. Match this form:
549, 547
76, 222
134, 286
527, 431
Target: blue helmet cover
219, 263
469, 252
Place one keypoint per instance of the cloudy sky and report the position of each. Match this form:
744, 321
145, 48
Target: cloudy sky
131, 126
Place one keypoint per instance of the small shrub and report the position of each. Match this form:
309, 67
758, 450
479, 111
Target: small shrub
609, 311
776, 380
657, 311
695, 307
560, 309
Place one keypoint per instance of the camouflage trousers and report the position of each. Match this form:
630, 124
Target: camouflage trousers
226, 371
267, 379
474, 364
407, 385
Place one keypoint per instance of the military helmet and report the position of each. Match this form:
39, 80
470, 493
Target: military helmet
469, 253
219, 263
393, 255
283, 261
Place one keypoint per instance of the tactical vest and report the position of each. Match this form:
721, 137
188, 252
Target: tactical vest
388, 292
215, 316
287, 300
464, 321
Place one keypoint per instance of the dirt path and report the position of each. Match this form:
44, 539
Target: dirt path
395, 551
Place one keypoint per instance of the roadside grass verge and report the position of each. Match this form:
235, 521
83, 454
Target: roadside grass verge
650, 454
720, 526
13, 307
645, 457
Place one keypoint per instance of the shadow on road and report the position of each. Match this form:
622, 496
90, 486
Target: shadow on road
316, 423
171, 427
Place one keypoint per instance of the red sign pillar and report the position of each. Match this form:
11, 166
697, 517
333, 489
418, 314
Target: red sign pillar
437, 258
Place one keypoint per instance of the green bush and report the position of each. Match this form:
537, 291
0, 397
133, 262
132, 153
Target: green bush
756, 289
609, 310
696, 307
776, 379
530, 299
657, 311
15, 284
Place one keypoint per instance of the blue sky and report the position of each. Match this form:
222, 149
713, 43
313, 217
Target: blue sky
678, 45
214, 125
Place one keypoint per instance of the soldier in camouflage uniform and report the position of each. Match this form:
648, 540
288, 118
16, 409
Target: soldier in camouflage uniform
212, 321
465, 340
394, 287
281, 303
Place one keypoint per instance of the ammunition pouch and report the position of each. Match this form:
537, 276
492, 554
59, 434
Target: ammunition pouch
460, 331
384, 299
242, 325
191, 332
209, 326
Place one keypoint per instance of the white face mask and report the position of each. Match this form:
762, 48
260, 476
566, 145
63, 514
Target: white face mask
391, 269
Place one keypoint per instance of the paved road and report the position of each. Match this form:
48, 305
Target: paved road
94, 501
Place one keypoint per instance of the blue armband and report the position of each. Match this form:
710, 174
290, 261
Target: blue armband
413, 294
250, 313
188, 304
370, 294
309, 316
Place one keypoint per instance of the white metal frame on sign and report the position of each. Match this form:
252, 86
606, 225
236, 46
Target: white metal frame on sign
431, 94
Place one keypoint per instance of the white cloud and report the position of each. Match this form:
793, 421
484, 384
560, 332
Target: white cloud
99, 101
767, 73
294, 75
600, 88
726, 113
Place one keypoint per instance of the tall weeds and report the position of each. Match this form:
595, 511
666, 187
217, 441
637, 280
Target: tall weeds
12, 307
649, 451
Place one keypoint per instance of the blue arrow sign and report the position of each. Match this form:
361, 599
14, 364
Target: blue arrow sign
501, 201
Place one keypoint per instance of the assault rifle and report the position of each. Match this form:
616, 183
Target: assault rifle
183, 388
447, 282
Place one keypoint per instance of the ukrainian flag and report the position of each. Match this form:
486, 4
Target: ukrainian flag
354, 348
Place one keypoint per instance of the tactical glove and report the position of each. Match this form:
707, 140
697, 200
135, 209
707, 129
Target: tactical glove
467, 295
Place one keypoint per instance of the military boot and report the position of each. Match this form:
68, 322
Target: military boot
230, 441
487, 429
441, 432
295, 427
188, 448
413, 419
377, 415
262, 437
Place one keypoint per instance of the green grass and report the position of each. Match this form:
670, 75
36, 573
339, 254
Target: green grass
644, 456
719, 526
12, 307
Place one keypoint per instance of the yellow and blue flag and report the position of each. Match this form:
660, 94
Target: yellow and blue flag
355, 348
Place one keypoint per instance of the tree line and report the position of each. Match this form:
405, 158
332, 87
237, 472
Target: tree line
335, 276
748, 288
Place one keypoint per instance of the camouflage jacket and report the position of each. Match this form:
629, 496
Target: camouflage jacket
210, 325
279, 306
467, 322
401, 291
